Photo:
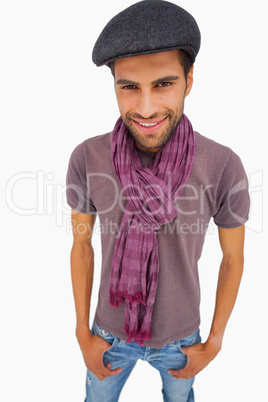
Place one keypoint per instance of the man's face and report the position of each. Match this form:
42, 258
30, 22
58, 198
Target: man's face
150, 92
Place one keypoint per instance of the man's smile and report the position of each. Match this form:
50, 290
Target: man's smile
149, 127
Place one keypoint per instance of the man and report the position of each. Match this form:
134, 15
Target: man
155, 184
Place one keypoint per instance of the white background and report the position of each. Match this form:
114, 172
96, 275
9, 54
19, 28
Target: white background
52, 98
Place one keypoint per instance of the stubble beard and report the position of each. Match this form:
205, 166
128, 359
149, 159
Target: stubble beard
152, 141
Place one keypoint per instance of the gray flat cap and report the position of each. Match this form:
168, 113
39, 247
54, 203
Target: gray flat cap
149, 26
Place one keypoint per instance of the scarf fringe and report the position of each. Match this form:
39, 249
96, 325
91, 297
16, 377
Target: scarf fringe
143, 336
140, 337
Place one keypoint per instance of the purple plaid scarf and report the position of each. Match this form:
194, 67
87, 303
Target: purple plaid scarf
151, 193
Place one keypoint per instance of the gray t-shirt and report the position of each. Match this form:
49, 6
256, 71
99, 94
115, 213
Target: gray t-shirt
217, 187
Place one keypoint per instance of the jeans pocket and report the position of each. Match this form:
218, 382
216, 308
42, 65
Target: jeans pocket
189, 341
107, 336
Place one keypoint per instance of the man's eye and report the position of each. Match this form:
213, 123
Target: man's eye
129, 87
164, 84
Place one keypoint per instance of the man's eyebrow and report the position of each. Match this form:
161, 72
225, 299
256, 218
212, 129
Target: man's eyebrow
167, 78
126, 82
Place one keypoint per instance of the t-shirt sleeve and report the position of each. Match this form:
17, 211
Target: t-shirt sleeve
76, 182
232, 199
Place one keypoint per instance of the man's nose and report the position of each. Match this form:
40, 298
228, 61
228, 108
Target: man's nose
146, 105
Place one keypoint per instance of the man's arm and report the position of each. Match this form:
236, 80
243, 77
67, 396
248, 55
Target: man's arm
82, 268
231, 269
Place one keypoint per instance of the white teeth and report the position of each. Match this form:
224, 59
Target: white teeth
148, 124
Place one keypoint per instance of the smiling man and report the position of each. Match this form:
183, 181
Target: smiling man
155, 184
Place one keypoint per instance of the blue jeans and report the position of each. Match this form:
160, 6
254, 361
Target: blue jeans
124, 355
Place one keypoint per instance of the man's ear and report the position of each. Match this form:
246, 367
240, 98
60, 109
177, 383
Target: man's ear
190, 80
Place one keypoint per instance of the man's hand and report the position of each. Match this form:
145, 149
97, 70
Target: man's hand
199, 356
93, 348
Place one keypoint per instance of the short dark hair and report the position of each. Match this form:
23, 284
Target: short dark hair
185, 62
184, 59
